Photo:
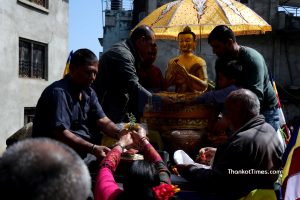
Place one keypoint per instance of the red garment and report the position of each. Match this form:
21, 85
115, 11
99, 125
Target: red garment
106, 187
151, 78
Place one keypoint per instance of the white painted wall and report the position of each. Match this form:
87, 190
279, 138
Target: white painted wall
19, 20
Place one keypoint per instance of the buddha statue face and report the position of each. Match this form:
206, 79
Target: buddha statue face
186, 43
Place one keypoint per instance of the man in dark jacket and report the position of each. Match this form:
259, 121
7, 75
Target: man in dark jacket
117, 84
248, 160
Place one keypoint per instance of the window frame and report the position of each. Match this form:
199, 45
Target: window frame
34, 5
29, 113
45, 59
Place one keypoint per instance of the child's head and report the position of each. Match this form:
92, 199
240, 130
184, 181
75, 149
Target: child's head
229, 73
140, 180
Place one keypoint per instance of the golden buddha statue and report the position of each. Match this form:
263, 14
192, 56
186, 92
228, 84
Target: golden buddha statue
180, 125
187, 72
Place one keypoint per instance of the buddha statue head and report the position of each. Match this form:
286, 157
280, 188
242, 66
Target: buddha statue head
187, 40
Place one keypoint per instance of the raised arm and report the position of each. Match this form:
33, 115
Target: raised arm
106, 186
151, 154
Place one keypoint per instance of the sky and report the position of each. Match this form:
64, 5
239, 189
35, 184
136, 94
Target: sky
85, 25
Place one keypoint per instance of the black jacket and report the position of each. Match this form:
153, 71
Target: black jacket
117, 86
250, 159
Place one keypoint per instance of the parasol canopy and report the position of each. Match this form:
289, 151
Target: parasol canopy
202, 16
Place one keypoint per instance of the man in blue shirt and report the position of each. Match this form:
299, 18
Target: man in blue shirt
68, 110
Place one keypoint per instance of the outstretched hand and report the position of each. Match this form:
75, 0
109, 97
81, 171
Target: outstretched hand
100, 151
206, 155
138, 134
159, 101
139, 138
125, 140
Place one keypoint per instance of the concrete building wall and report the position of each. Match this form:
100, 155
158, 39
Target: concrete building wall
117, 27
49, 26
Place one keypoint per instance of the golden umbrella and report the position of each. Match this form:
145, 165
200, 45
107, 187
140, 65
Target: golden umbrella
202, 16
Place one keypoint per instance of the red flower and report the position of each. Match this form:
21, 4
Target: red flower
165, 191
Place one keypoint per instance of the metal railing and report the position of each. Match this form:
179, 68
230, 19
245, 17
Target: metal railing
290, 10
118, 4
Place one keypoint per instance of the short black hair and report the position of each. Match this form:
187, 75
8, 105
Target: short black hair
231, 69
221, 33
83, 57
141, 31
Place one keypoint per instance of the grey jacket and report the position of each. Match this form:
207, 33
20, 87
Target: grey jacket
117, 86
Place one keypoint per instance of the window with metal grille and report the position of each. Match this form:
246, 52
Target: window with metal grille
32, 59
28, 114
43, 3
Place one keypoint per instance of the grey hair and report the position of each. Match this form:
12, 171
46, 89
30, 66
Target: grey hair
43, 169
247, 100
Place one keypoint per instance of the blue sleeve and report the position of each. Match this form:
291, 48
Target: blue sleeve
61, 115
215, 97
205, 98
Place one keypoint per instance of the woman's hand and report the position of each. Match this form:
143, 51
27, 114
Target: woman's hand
139, 138
125, 140
123, 131
138, 134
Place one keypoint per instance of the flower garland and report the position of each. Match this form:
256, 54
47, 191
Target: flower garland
165, 191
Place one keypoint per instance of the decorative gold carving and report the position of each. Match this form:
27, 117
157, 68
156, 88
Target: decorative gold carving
181, 126
176, 123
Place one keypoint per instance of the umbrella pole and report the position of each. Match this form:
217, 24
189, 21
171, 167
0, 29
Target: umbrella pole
200, 41
200, 46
